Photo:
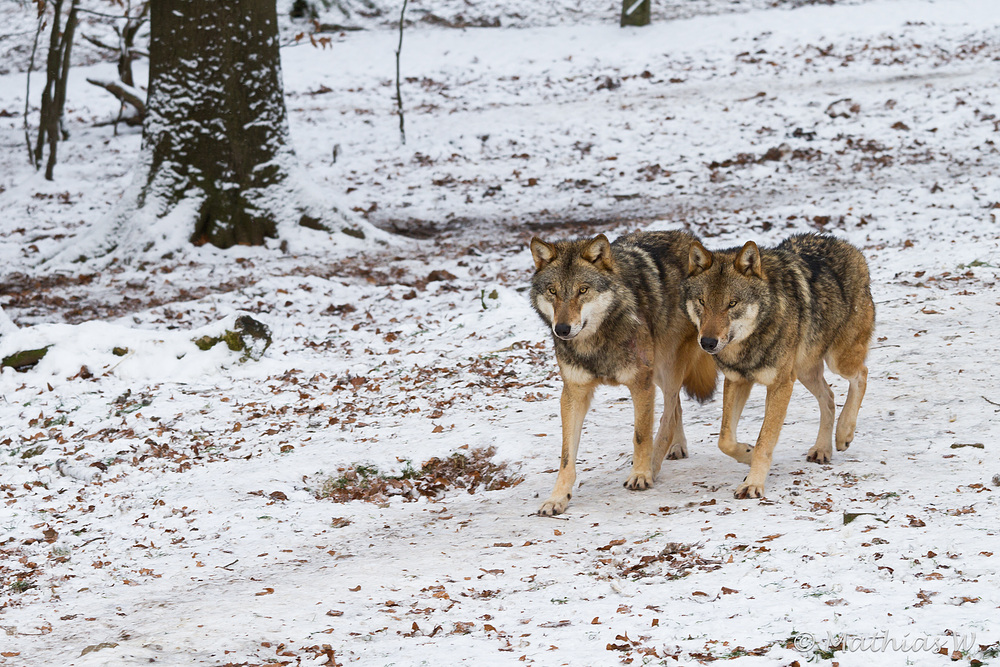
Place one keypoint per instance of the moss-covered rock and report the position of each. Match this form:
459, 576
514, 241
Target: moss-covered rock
248, 336
25, 359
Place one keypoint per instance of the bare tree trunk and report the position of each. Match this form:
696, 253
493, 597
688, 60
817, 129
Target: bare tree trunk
51, 74
635, 12
27, 86
50, 130
124, 51
399, 94
57, 132
127, 42
216, 164
216, 124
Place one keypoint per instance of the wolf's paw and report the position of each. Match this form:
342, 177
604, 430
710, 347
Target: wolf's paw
740, 451
639, 481
819, 454
845, 436
677, 451
553, 506
745, 490
744, 453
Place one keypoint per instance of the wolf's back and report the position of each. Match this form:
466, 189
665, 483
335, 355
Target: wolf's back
839, 284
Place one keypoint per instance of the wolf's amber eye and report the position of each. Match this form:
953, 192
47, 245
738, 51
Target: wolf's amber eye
583, 290
701, 301
552, 290
732, 303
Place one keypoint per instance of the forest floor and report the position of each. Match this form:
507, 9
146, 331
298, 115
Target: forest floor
364, 490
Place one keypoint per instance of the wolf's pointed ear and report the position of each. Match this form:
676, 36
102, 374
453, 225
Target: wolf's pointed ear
598, 252
699, 259
543, 253
748, 260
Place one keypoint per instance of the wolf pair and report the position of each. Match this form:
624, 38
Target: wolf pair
653, 309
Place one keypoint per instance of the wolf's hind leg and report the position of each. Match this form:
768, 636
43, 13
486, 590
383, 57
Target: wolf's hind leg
849, 415
814, 381
669, 441
644, 403
678, 441
847, 359
850, 365
574, 403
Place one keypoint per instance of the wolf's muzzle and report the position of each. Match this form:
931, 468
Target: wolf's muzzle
710, 345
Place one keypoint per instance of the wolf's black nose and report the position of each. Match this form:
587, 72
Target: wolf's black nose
709, 344
561, 329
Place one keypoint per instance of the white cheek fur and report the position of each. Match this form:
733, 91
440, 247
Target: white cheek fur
740, 328
545, 308
593, 311
693, 313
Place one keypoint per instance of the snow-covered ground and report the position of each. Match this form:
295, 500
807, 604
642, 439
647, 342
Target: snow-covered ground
163, 504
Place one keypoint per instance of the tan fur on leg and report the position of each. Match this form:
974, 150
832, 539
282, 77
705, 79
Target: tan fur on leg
775, 407
678, 441
734, 398
644, 402
849, 415
574, 403
814, 381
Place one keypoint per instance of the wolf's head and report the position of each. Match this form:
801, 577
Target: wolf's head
571, 288
723, 294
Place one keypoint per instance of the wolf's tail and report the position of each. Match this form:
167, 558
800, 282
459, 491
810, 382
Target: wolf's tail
699, 382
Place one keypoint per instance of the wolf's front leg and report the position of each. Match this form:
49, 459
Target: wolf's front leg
643, 401
573, 407
734, 398
775, 407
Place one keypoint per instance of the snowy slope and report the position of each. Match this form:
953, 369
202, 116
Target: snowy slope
160, 505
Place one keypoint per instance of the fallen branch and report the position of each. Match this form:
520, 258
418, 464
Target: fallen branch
99, 44
126, 95
336, 27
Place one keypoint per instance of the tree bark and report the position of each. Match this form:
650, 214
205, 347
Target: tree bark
50, 129
56, 131
216, 127
126, 40
51, 74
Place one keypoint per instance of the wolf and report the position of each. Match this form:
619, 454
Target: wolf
615, 316
771, 316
